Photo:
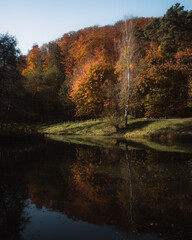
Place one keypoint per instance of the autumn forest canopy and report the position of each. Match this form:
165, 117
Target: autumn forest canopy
143, 62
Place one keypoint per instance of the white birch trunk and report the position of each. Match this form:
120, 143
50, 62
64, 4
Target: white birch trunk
129, 50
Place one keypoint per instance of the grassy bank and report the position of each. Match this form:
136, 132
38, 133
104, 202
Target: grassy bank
162, 135
165, 130
169, 130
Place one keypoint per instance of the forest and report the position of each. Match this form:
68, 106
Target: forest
142, 66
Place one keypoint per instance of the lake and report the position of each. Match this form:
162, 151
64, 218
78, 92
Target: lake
65, 190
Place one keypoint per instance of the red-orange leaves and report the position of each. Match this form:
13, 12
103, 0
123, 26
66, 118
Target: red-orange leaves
88, 91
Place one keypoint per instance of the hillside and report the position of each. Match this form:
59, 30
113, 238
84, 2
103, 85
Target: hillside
141, 67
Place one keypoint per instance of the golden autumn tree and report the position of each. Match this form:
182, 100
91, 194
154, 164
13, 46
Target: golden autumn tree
88, 92
33, 60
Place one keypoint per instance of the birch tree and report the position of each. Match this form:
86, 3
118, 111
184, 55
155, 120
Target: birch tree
125, 65
129, 49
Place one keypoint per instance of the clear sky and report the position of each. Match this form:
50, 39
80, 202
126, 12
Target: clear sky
41, 21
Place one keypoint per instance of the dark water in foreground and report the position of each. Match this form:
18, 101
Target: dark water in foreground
56, 190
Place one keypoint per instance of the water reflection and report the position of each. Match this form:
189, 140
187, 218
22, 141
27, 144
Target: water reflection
82, 192
12, 197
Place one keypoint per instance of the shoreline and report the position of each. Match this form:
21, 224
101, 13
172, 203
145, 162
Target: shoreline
164, 131
155, 130
163, 135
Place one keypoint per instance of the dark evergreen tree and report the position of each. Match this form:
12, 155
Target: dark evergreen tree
11, 90
173, 31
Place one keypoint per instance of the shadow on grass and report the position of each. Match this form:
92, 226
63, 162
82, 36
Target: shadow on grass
184, 127
181, 133
135, 126
79, 128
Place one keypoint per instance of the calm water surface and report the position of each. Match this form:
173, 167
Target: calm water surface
56, 190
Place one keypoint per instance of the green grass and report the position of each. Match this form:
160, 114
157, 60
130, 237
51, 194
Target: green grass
137, 128
168, 130
90, 127
162, 135
163, 130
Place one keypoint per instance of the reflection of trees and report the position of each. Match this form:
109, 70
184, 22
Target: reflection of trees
23, 174
147, 196
146, 193
48, 175
94, 179
12, 198
140, 191
160, 196
12, 218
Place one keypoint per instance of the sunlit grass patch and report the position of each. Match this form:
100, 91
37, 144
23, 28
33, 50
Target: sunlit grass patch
156, 130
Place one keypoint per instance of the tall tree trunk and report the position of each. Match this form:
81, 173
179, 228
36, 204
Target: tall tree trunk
129, 50
128, 95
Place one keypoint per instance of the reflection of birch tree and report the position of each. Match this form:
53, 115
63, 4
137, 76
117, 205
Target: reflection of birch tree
130, 185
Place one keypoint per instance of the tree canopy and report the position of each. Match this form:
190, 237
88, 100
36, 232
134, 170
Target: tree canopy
83, 73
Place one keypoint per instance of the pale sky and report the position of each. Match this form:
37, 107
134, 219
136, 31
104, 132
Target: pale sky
41, 21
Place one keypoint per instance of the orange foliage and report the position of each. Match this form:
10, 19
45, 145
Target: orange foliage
88, 92
32, 60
